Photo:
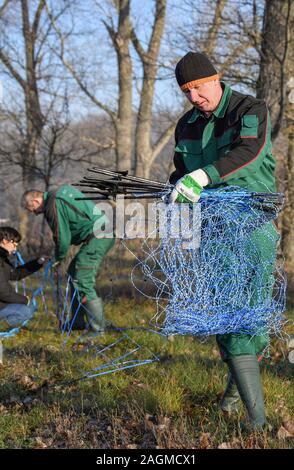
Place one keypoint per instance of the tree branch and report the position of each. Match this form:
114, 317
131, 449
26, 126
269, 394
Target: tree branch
37, 18
162, 141
5, 60
73, 72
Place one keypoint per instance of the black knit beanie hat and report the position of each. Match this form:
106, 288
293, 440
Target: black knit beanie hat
193, 69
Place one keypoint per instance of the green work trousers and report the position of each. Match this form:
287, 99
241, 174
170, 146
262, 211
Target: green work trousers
261, 252
85, 265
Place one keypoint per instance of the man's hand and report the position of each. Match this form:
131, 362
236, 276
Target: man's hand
43, 259
189, 187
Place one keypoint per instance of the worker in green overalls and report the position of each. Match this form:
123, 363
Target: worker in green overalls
223, 140
73, 222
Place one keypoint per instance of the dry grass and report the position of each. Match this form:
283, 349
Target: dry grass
168, 404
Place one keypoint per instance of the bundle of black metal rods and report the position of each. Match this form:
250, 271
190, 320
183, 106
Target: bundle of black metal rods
106, 184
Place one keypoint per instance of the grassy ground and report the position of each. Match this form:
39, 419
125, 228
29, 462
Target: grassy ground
171, 403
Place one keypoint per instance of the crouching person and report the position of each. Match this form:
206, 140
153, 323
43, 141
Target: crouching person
15, 308
72, 220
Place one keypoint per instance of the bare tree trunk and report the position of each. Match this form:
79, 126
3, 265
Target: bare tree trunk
288, 219
146, 154
29, 85
271, 84
124, 121
34, 118
122, 118
213, 31
143, 145
277, 59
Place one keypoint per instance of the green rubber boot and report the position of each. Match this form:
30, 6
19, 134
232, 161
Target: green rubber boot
94, 312
290, 342
246, 374
230, 402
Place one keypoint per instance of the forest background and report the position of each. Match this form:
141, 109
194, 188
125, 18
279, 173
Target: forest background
92, 83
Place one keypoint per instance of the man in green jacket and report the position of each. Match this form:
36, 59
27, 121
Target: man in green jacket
73, 222
225, 139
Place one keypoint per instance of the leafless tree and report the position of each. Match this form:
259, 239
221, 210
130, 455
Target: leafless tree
120, 114
24, 69
134, 137
34, 117
228, 31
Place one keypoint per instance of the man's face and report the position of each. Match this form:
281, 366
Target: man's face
206, 96
34, 206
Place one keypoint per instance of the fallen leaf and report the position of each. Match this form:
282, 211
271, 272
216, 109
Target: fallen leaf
283, 433
52, 348
289, 425
161, 427
215, 352
40, 444
25, 380
164, 420
139, 384
225, 445
204, 440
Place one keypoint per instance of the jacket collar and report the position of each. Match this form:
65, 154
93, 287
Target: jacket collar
3, 253
46, 198
219, 112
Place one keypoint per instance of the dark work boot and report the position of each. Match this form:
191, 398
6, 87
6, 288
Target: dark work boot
230, 402
246, 374
77, 320
94, 313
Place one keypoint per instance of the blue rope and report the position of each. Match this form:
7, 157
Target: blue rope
45, 278
96, 352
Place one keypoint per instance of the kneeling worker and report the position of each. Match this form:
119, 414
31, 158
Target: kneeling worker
15, 308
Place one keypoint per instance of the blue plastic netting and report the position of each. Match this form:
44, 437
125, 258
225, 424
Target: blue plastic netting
229, 283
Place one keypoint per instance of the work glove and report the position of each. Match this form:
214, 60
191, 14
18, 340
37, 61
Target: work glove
189, 187
55, 265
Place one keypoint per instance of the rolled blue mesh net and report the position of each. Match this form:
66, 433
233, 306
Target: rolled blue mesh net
228, 280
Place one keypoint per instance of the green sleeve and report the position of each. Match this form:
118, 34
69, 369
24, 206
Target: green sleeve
249, 151
63, 241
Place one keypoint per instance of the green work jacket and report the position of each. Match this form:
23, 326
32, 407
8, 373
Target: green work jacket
72, 222
233, 146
